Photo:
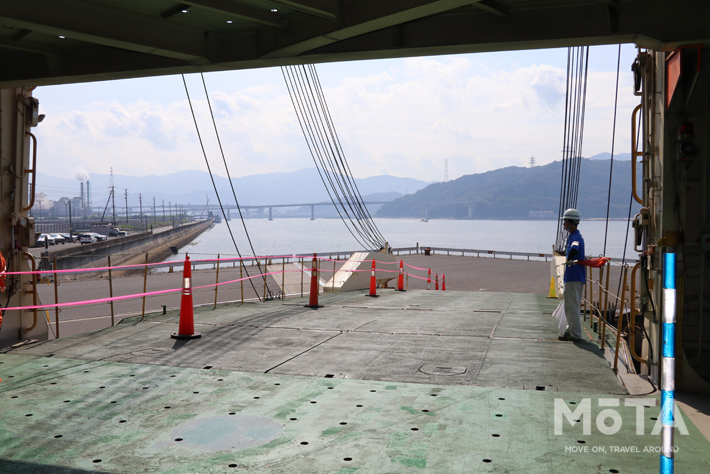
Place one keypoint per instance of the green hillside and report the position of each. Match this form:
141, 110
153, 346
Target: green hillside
511, 193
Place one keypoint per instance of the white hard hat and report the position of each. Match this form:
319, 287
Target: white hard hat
572, 215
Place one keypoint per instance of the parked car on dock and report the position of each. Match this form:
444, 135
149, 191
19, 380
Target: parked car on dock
87, 238
58, 238
122, 233
44, 239
100, 237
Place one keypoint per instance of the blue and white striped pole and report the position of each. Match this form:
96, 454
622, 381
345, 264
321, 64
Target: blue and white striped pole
668, 363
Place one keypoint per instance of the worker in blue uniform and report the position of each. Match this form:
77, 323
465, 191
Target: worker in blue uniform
574, 276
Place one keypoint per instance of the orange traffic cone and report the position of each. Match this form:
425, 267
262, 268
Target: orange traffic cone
443, 282
400, 278
436, 287
186, 329
373, 282
428, 280
315, 287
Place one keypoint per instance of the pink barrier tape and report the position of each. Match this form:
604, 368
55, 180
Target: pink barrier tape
416, 268
417, 277
100, 300
162, 292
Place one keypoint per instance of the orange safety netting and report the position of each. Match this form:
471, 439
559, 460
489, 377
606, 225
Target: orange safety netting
594, 262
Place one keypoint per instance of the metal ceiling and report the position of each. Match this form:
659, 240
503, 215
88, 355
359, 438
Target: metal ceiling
64, 41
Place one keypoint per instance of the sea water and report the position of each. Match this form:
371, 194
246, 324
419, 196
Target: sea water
288, 236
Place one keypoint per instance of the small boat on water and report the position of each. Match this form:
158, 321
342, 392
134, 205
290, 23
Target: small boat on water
424, 219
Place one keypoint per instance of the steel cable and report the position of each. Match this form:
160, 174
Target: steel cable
204, 153
324, 145
231, 185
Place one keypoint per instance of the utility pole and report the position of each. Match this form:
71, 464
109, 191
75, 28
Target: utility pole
126, 206
532, 161
140, 203
70, 226
113, 197
163, 210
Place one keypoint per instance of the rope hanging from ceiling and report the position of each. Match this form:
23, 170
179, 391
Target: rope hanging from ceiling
318, 129
575, 102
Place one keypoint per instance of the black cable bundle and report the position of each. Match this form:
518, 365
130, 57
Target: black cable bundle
324, 145
575, 102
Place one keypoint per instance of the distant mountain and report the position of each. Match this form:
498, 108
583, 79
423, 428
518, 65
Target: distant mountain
518, 193
193, 187
607, 156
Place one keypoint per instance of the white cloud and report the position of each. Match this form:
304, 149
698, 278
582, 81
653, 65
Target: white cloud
405, 120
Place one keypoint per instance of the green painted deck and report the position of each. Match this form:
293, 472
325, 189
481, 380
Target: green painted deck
412, 381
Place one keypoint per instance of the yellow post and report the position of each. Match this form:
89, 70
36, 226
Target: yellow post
110, 287
56, 297
145, 285
257, 265
606, 305
216, 286
333, 275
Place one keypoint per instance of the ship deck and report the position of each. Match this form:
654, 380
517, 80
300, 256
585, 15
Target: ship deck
455, 381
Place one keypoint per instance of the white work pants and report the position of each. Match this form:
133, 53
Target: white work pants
573, 302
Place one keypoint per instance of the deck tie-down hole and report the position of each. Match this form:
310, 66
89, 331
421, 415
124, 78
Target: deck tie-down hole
577, 421
114, 401
292, 419
314, 401
373, 390
425, 411
103, 386
58, 436
330, 388
220, 380
66, 401
495, 435
329, 376
613, 470
232, 465
207, 367
540, 388
487, 460
654, 419
96, 460
347, 459
415, 429
581, 441
501, 399
29, 414
572, 403
304, 443
499, 415
343, 423
121, 421
358, 406
178, 439
14, 396
167, 408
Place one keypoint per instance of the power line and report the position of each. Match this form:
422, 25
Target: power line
204, 153
326, 150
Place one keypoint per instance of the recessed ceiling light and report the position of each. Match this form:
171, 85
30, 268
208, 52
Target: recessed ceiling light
8, 26
61, 37
274, 10
230, 21
186, 11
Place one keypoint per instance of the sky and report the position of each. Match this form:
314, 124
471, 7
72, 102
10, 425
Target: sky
401, 117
